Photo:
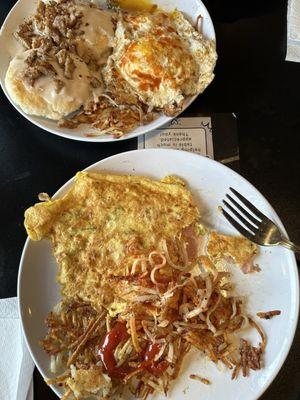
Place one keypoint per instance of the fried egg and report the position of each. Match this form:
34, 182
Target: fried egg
162, 57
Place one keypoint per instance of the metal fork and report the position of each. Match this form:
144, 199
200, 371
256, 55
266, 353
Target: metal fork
255, 226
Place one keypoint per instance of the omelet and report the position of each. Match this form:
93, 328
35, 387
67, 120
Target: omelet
162, 58
232, 248
105, 220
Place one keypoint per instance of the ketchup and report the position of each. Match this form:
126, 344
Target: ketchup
151, 351
153, 367
108, 345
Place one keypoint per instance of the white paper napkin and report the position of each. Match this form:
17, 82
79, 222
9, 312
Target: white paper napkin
293, 31
16, 365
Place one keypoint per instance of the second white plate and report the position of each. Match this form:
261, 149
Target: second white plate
275, 287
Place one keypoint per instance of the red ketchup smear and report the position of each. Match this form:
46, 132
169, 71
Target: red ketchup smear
106, 350
153, 367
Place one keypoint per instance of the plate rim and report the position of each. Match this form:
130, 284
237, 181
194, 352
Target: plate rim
105, 138
294, 272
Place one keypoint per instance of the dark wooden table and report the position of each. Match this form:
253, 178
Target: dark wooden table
252, 80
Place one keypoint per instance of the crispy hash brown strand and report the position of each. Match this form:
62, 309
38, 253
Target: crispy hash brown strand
200, 379
268, 314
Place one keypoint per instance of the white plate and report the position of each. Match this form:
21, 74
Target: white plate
275, 287
9, 47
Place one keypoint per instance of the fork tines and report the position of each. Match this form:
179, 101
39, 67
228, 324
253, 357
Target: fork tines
248, 222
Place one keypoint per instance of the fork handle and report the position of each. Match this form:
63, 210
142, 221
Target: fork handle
290, 245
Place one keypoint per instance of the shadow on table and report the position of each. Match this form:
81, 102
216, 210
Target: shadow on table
233, 10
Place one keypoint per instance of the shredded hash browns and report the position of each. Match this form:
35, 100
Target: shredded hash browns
142, 347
